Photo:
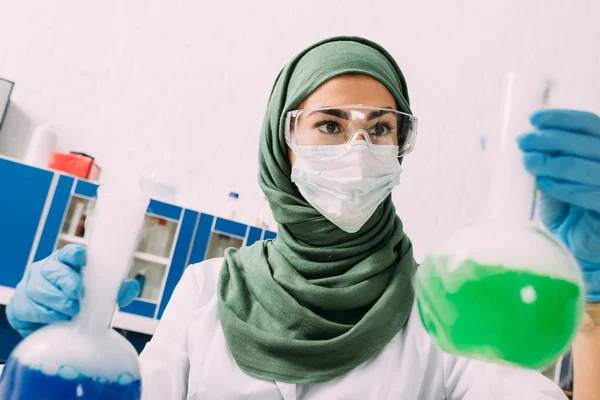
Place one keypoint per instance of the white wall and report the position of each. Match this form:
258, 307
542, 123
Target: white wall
122, 80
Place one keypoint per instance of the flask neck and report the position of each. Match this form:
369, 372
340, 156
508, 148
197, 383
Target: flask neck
115, 224
513, 194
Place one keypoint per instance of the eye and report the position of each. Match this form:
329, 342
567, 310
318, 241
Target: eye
328, 127
380, 129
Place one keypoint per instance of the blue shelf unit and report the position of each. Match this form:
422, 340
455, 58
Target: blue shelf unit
33, 209
23, 201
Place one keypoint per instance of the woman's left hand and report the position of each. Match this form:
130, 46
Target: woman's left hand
564, 156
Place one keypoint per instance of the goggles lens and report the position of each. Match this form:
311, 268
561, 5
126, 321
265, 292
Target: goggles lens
340, 125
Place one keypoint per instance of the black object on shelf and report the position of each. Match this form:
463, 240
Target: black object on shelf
80, 230
81, 154
6, 88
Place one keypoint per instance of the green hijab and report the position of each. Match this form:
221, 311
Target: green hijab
316, 302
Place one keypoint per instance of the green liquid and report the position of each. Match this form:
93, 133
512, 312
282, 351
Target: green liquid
496, 313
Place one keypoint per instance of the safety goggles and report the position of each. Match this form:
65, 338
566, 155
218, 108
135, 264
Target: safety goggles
339, 125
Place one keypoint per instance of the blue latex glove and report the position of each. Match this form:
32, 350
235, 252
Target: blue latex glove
51, 290
564, 155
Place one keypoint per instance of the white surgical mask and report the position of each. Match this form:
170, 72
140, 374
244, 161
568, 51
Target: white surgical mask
346, 184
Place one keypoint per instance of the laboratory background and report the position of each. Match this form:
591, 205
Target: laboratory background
172, 94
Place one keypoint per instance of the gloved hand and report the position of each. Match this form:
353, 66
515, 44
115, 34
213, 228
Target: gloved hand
51, 290
564, 156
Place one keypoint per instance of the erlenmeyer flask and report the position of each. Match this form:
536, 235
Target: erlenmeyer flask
84, 358
504, 290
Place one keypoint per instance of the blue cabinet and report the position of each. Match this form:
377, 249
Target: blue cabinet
159, 267
41, 211
181, 255
55, 216
254, 235
269, 235
200, 243
24, 192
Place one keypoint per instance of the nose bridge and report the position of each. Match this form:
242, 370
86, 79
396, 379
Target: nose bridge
357, 127
359, 136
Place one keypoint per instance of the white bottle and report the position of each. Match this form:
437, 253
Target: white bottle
231, 209
158, 240
43, 141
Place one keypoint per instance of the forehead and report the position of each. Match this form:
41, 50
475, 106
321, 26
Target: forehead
350, 89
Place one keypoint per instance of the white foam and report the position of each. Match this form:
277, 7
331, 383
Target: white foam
524, 247
68, 372
126, 379
104, 356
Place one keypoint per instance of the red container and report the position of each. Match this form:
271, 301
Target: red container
77, 164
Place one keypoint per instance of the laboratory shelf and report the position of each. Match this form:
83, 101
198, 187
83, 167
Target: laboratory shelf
71, 238
151, 258
134, 323
121, 320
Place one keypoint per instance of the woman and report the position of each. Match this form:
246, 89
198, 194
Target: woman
325, 311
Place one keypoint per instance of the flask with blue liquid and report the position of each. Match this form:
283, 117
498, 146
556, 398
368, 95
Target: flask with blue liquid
84, 358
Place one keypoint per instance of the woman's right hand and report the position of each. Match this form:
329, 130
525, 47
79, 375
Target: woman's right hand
51, 291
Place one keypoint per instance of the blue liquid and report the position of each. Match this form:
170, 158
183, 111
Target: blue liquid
19, 382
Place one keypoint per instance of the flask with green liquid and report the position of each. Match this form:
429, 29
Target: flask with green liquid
504, 290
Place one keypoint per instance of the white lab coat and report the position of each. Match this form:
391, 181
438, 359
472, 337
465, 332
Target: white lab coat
188, 358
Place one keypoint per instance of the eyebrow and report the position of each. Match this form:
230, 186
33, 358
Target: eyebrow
379, 113
336, 112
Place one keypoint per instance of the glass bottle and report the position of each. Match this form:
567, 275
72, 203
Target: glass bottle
231, 206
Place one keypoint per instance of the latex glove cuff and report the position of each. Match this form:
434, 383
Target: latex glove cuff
591, 279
